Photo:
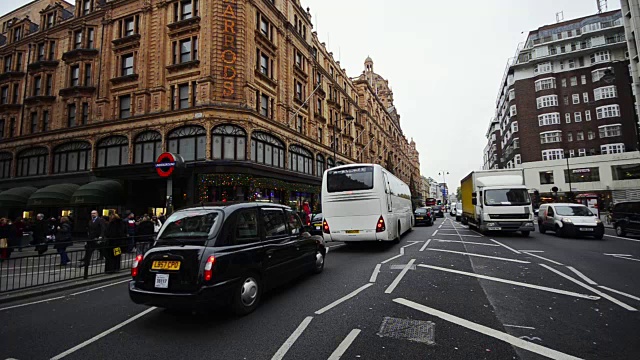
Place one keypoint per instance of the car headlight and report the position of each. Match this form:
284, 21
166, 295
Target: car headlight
566, 220
598, 221
491, 224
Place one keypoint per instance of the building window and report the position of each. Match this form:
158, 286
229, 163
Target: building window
546, 177
71, 157
126, 65
582, 152
37, 86
298, 90
608, 111
264, 63
570, 137
45, 120
90, 38
87, 75
320, 166
299, 124
75, 75
300, 160
183, 96
512, 94
600, 57
513, 111
147, 147
49, 88
587, 115
572, 153
298, 58
320, 135
264, 26
583, 79
564, 82
50, 21
185, 9
86, 7
621, 172
545, 84
128, 27
577, 116
264, 105
596, 75
2, 128
16, 93
543, 68
71, 115
188, 141
185, 50
229, 142
77, 39
52, 50
85, 114
571, 63
12, 127
550, 137
547, 101
580, 136
567, 118
266, 149
575, 99
124, 106
32, 162
574, 81
553, 154
605, 92
4, 95
34, 123
582, 175
585, 98
40, 52
5, 165
514, 127
610, 130
113, 151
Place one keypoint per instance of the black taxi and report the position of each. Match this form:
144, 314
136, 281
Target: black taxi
224, 255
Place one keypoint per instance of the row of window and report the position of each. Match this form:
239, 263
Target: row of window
559, 154
605, 131
595, 58
619, 172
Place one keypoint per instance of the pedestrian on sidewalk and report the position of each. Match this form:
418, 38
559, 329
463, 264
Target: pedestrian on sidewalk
63, 240
131, 232
7, 239
96, 229
40, 231
116, 235
157, 225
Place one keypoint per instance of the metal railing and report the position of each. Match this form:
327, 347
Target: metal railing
30, 269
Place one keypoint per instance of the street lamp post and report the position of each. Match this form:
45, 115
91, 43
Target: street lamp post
444, 178
570, 193
349, 118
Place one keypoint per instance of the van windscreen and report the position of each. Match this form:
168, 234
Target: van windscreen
349, 179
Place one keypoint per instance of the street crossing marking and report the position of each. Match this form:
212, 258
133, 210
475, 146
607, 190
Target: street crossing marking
397, 280
582, 276
344, 345
544, 258
510, 339
374, 276
511, 282
479, 255
505, 246
282, 351
342, 299
595, 291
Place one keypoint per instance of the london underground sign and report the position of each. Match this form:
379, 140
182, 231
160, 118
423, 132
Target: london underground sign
167, 163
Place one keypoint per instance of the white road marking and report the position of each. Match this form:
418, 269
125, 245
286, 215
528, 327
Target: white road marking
398, 278
434, 233
582, 276
520, 327
334, 247
282, 351
32, 303
523, 344
595, 291
440, 226
100, 287
482, 256
103, 334
511, 282
425, 245
620, 292
392, 258
505, 246
622, 238
617, 254
476, 236
544, 258
374, 276
532, 251
476, 232
625, 257
344, 345
402, 251
410, 244
342, 299
465, 242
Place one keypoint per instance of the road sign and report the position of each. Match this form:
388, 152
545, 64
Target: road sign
167, 163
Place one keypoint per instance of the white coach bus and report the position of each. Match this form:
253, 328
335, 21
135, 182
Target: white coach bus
364, 202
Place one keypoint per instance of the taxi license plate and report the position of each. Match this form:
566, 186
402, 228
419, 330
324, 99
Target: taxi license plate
353, 231
317, 227
165, 265
419, 218
586, 229
162, 281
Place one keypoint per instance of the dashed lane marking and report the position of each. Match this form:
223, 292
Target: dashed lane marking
397, 280
510, 339
544, 258
505, 246
342, 299
511, 282
282, 351
482, 256
595, 291
344, 345
434, 233
374, 276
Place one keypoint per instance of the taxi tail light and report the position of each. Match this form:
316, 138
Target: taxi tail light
208, 268
325, 227
136, 264
380, 227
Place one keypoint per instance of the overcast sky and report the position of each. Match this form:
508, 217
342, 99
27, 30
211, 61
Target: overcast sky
444, 61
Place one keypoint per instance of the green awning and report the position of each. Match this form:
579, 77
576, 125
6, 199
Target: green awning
104, 192
16, 197
53, 195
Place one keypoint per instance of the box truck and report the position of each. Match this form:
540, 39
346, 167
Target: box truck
497, 200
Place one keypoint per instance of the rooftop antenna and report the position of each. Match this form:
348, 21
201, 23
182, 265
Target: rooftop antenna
559, 16
602, 5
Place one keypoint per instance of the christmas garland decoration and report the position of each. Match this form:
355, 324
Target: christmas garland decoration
207, 180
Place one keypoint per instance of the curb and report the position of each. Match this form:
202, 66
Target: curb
57, 287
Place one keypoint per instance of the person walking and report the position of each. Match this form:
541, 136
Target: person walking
145, 234
63, 240
95, 233
116, 235
157, 225
40, 231
7, 239
131, 232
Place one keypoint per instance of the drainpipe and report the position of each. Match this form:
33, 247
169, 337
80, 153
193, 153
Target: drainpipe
24, 91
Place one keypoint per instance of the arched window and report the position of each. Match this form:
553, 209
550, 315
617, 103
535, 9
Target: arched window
113, 151
147, 147
229, 142
330, 163
5, 165
188, 141
266, 149
33, 162
319, 165
71, 157
300, 160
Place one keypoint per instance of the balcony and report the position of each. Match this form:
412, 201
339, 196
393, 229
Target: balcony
43, 65
126, 43
77, 91
11, 75
39, 99
79, 54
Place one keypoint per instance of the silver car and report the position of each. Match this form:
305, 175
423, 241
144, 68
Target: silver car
569, 220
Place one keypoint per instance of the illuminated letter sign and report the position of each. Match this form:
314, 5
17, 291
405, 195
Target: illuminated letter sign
229, 56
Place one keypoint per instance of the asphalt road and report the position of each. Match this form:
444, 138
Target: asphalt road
539, 297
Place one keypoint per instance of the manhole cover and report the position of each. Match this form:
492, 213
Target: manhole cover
412, 330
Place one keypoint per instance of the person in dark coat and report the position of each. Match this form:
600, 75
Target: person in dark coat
116, 235
8, 232
63, 240
40, 231
96, 229
145, 230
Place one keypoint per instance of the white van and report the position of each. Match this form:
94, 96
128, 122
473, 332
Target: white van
364, 202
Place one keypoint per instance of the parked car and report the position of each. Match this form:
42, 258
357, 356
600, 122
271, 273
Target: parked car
316, 224
569, 220
625, 218
438, 211
423, 215
458, 210
452, 210
224, 255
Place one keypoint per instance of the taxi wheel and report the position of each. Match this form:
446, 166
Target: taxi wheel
247, 295
319, 263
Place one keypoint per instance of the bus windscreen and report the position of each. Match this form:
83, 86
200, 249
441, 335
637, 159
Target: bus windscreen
350, 179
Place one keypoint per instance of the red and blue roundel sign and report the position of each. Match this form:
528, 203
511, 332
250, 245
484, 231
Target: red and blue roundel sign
166, 164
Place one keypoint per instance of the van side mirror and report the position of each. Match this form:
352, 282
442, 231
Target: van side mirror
474, 201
